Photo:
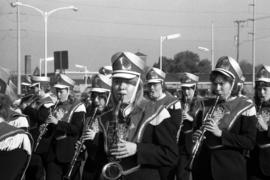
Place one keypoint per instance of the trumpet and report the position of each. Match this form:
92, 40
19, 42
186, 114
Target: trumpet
88, 123
199, 141
114, 170
44, 128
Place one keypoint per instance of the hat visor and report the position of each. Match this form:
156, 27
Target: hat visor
26, 84
224, 72
60, 86
99, 90
263, 79
154, 81
123, 75
188, 84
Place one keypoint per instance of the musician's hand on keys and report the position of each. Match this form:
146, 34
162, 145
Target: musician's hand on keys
186, 116
196, 135
212, 126
77, 144
263, 125
124, 149
42, 127
52, 119
89, 134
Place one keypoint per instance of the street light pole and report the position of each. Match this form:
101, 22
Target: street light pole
162, 38
160, 51
253, 44
18, 52
212, 47
45, 15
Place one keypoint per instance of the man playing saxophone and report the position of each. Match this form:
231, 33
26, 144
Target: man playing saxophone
259, 168
230, 129
136, 140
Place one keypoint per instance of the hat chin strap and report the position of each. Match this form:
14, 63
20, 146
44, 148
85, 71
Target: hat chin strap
130, 105
226, 98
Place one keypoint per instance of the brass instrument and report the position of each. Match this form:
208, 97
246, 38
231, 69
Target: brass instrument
199, 141
113, 170
88, 123
44, 128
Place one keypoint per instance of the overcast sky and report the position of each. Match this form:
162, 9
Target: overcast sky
103, 27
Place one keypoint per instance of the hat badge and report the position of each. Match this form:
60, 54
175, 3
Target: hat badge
186, 79
97, 81
153, 75
224, 64
125, 64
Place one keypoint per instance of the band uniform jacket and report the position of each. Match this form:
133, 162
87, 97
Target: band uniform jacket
66, 132
154, 132
222, 158
95, 153
173, 106
260, 156
195, 109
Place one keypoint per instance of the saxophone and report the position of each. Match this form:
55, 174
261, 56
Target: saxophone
116, 131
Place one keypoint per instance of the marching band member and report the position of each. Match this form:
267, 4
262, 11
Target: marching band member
137, 141
259, 168
38, 112
13, 117
15, 141
158, 96
100, 96
15, 150
230, 127
192, 112
65, 125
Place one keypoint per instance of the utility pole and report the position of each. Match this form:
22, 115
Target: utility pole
238, 22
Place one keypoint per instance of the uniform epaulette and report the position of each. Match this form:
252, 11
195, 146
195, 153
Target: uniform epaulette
176, 104
80, 107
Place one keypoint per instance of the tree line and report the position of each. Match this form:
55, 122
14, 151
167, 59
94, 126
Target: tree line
188, 61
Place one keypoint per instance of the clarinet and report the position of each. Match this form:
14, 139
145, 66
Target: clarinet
88, 123
199, 141
44, 129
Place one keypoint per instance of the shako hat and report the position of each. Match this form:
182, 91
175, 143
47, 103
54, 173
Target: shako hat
155, 75
63, 81
127, 65
188, 79
101, 83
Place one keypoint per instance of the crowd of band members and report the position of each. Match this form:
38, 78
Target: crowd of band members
135, 126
